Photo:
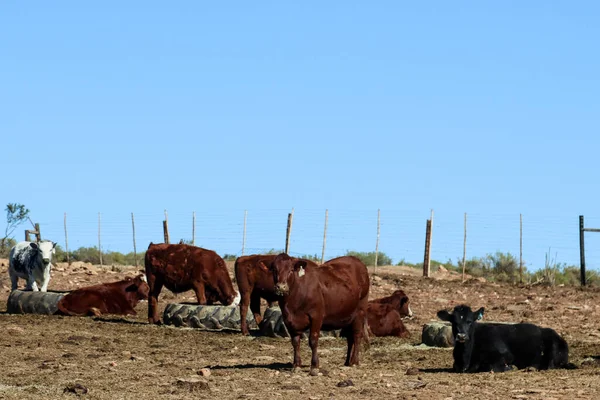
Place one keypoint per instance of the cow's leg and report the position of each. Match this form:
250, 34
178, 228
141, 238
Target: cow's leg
358, 326
313, 340
296, 346
244, 303
200, 293
14, 281
31, 283
155, 288
255, 307
45, 283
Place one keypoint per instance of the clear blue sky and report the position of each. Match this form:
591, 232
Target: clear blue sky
490, 109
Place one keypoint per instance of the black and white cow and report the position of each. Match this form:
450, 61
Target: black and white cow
497, 347
32, 262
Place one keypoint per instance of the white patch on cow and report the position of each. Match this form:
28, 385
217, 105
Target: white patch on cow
301, 272
236, 299
144, 278
410, 313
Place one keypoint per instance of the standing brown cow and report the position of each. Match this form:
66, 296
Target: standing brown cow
180, 268
255, 281
331, 296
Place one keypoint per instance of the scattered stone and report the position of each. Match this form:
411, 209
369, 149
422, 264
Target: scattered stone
76, 388
137, 358
204, 372
192, 384
345, 383
412, 371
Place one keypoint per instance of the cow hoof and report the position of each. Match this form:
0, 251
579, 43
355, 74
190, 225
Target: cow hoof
314, 372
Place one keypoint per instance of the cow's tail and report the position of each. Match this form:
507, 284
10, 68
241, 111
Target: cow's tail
367, 341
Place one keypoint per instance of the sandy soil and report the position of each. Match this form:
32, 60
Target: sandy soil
123, 358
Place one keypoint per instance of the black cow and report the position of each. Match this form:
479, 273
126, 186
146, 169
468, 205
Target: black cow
497, 347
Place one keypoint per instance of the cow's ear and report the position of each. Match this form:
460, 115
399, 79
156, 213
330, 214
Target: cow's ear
33, 245
444, 315
263, 266
479, 313
403, 301
300, 267
53, 244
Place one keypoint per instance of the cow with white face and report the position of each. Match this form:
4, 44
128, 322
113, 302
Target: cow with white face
32, 262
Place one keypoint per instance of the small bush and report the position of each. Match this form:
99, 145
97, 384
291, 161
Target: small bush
369, 257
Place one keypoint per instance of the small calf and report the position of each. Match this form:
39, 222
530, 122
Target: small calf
108, 298
399, 300
496, 347
385, 320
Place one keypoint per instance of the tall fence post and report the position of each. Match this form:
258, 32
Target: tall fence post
244, 233
464, 260
134, 245
426, 258
99, 241
38, 233
193, 228
377, 241
520, 248
67, 241
324, 237
166, 228
582, 250
288, 232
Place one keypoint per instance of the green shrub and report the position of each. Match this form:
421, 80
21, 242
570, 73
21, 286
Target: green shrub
369, 257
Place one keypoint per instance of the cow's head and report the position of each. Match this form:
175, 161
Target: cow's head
139, 286
463, 322
286, 269
45, 249
404, 308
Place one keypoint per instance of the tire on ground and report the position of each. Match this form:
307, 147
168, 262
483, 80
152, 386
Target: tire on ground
29, 302
438, 334
272, 325
205, 317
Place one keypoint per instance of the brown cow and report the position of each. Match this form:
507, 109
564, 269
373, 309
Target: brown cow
331, 296
255, 281
385, 320
107, 298
180, 268
399, 300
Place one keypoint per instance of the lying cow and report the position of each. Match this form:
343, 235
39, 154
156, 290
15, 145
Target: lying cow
255, 281
398, 300
331, 296
180, 268
108, 298
496, 347
32, 262
385, 320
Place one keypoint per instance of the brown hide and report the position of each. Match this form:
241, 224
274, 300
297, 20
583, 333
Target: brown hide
331, 296
180, 268
108, 298
255, 281
385, 320
399, 300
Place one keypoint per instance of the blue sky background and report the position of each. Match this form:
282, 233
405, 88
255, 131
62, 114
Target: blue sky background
489, 109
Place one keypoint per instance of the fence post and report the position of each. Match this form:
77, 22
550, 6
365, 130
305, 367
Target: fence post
520, 248
324, 237
426, 258
99, 242
166, 228
244, 233
193, 228
134, 246
67, 242
464, 260
377, 241
288, 232
582, 250
38, 233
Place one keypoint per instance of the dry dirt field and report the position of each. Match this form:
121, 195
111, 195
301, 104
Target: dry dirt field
125, 358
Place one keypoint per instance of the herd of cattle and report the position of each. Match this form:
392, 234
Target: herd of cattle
333, 295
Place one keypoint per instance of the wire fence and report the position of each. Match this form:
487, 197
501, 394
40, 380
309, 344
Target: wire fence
402, 234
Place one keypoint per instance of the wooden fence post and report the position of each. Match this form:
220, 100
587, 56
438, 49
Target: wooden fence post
377, 241
166, 228
38, 233
288, 232
67, 242
193, 228
520, 248
99, 242
426, 258
134, 245
324, 237
244, 233
464, 260
582, 250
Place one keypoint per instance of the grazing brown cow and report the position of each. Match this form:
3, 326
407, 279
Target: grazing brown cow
180, 268
331, 296
107, 298
399, 300
255, 281
385, 320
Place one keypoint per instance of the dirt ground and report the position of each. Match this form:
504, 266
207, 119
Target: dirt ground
45, 357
